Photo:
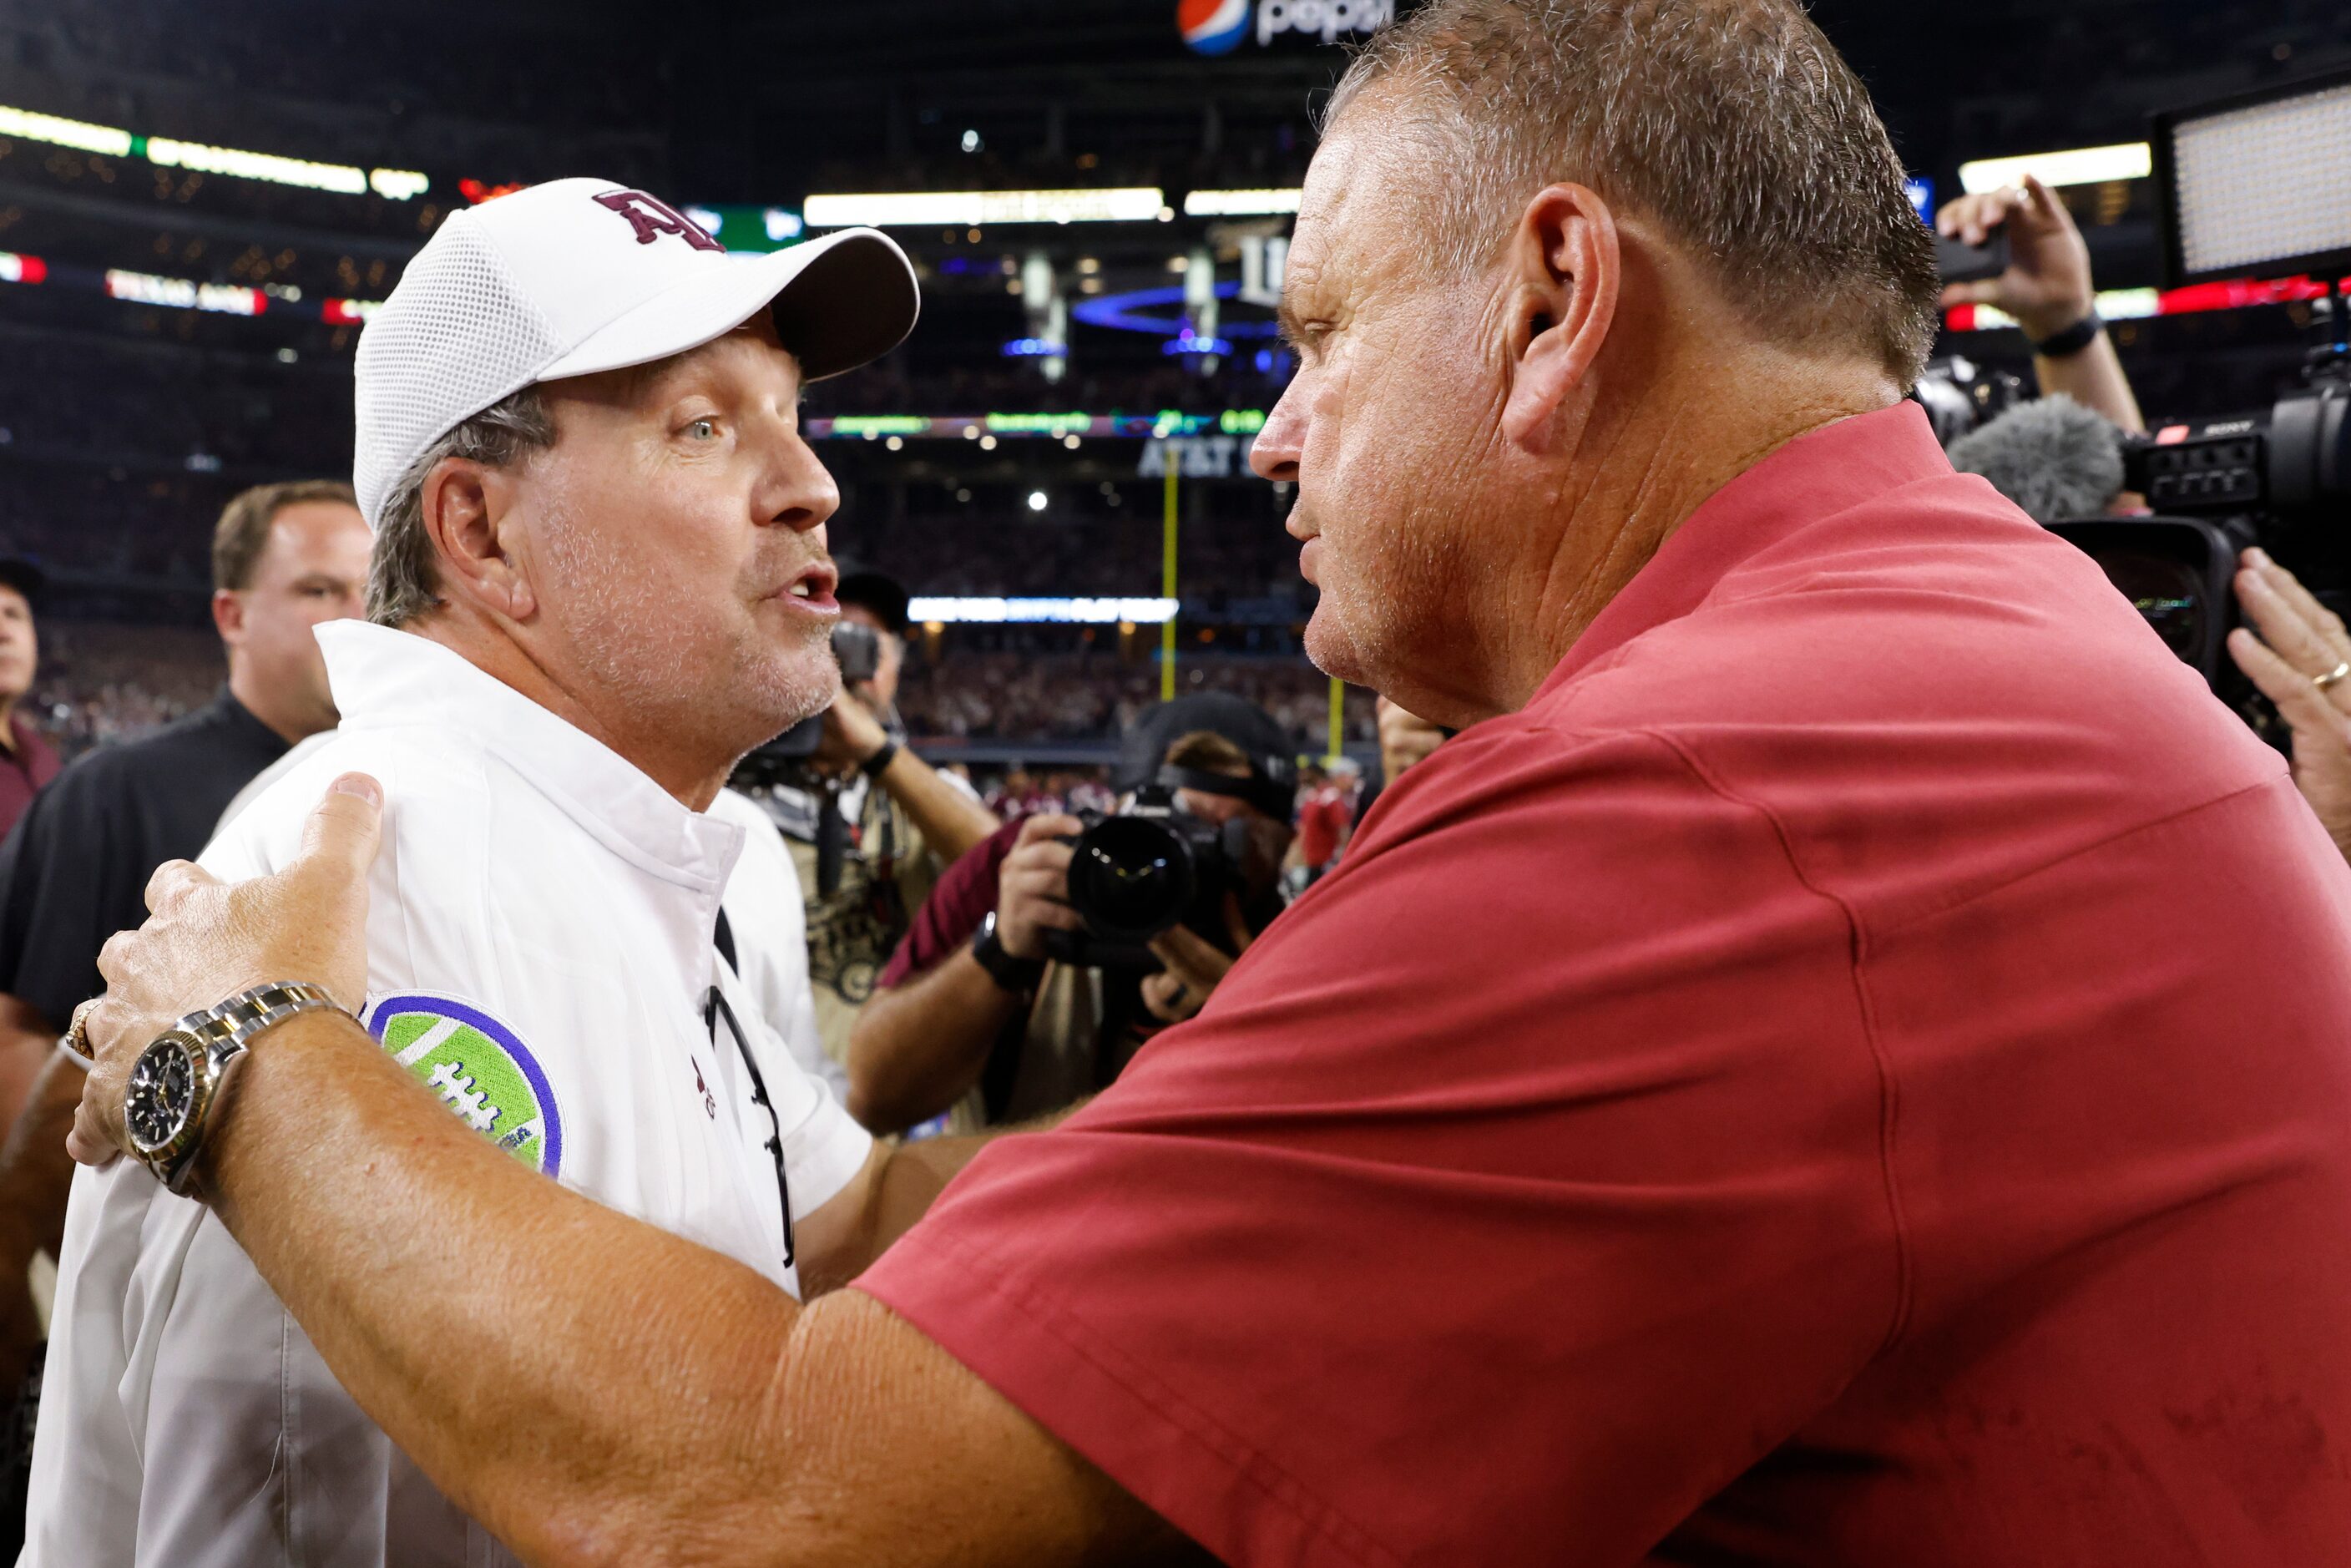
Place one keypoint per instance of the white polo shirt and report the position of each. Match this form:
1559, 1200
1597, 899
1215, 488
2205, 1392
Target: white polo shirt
539, 953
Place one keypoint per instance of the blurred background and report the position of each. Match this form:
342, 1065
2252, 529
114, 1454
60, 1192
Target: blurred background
200, 206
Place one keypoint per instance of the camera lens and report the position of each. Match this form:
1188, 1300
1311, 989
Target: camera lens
1131, 878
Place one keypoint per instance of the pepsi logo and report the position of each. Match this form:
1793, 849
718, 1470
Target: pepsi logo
1212, 26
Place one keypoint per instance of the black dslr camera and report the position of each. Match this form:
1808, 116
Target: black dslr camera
1147, 869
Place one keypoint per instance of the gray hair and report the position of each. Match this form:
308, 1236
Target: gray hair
402, 582
1733, 123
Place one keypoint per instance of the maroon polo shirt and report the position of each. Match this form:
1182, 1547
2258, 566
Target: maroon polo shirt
1854, 1074
949, 918
26, 763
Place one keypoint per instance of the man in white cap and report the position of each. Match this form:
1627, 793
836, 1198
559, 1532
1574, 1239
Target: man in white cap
599, 576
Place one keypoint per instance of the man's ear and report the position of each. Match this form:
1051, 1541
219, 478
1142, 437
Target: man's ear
467, 514
1565, 267
228, 616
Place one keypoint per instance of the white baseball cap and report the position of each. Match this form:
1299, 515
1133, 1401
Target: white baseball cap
578, 275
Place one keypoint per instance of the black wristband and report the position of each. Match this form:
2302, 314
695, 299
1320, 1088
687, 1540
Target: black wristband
1018, 976
2072, 341
876, 765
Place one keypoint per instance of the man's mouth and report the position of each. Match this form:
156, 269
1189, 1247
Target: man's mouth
812, 589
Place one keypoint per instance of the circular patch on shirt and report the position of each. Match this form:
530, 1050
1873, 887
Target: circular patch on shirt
479, 1068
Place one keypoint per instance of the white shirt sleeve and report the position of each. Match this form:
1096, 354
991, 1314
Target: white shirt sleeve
824, 1149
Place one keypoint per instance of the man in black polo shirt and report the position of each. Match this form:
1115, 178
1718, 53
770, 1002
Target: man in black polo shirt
75, 868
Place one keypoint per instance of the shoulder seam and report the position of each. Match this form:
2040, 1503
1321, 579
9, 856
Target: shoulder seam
1889, 1082
2149, 825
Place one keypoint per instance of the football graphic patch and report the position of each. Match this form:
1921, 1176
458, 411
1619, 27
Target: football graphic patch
480, 1068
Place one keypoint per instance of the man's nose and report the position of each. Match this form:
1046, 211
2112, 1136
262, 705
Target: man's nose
798, 492
1275, 453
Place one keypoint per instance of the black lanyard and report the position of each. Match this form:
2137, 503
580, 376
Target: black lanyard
713, 1010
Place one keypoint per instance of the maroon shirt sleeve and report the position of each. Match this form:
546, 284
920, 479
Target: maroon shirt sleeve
959, 901
1292, 1280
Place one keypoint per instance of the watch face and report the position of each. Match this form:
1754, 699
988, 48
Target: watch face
162, 1092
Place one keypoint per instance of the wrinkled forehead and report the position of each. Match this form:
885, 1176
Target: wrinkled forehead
1356, 219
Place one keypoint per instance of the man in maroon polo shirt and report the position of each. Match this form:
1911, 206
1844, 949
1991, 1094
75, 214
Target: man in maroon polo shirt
27, 760
1840, 1063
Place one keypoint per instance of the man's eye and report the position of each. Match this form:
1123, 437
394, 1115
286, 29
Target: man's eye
704, 430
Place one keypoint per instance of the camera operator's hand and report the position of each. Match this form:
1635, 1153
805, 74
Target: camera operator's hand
2301, 641
2047, 285
1032, 886
1195, 966
2047, 288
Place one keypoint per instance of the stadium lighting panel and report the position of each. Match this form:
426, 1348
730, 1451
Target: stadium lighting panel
2257, 185
2071, 166
1241, 204
58, 132
392, 184
339, 178
904, 209
991, 611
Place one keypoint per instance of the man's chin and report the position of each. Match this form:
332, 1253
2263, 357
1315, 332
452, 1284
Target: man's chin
1331, 651
800, 684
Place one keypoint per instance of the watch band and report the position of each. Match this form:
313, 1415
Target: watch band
879, 763
2073, 339
247, 1013
221, 1035
1018, 976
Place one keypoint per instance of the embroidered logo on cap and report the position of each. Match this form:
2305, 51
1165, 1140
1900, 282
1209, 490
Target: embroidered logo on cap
479, 1068
651, 217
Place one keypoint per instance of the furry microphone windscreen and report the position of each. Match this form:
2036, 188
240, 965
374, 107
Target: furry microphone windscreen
2054, 458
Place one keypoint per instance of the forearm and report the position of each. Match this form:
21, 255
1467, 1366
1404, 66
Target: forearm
2094, 379
949, 821
919, 1046
27, 1040
899, 1184
35, 1173
553, 1365
895, 1189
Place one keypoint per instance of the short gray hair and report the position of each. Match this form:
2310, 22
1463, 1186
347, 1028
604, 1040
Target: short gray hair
402, 582
1734, 123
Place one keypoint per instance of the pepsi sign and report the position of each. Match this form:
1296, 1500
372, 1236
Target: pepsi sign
1212, 26
1218, 27
1327, 18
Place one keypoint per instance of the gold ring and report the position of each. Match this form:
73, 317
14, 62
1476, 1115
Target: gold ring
77, 1035
2331, 676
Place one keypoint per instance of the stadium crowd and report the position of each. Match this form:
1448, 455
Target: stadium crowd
1073, 696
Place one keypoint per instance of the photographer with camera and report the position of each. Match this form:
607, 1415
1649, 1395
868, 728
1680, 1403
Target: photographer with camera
870, 825
1046, 956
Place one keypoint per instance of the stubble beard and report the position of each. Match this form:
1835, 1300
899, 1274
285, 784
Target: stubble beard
733, 687
1382, 607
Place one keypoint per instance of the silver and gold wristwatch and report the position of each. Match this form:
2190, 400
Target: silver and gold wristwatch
177, 1080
